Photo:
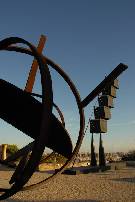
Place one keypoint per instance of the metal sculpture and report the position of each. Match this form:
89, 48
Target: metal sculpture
19, 108
102, 113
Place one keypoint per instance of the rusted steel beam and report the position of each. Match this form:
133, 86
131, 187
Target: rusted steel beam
34, 67
113, 75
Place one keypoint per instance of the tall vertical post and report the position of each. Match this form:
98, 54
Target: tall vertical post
102, 161
4, 151
93, 161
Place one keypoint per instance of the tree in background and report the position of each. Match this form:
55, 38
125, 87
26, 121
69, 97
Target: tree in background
130, 156
54, 158
12, 148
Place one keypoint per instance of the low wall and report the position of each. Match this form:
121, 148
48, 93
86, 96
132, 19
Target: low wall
118, 165
130, 163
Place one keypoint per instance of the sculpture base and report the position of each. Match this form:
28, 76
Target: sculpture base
85, 170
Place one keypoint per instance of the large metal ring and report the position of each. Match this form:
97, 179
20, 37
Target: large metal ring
47, 102
80, 108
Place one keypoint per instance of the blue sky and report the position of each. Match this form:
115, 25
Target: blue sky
88, 39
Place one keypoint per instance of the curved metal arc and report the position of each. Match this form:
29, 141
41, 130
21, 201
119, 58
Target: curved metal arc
81, 112
63, 74
56, 107
60, 114
29, 147
41, 161
47, 110
19, 169
23, 151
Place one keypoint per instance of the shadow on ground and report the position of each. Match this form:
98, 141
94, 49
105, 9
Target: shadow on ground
76, 200
131, 180
5, 168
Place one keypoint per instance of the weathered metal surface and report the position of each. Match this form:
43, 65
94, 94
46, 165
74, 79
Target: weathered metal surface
106, 100
102, 112
34, 67
109, 90
115, 83
98, 126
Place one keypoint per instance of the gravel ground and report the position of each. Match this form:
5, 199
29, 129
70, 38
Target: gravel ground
107, 186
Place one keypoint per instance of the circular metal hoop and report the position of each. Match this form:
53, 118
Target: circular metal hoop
39, 144
81, 112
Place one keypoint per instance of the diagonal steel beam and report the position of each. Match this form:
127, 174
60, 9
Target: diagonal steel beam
34, 67
112, 76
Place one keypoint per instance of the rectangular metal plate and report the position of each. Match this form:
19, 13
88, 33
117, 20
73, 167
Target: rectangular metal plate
105, 100
115, 83
110, 90
102, 112
98, 126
